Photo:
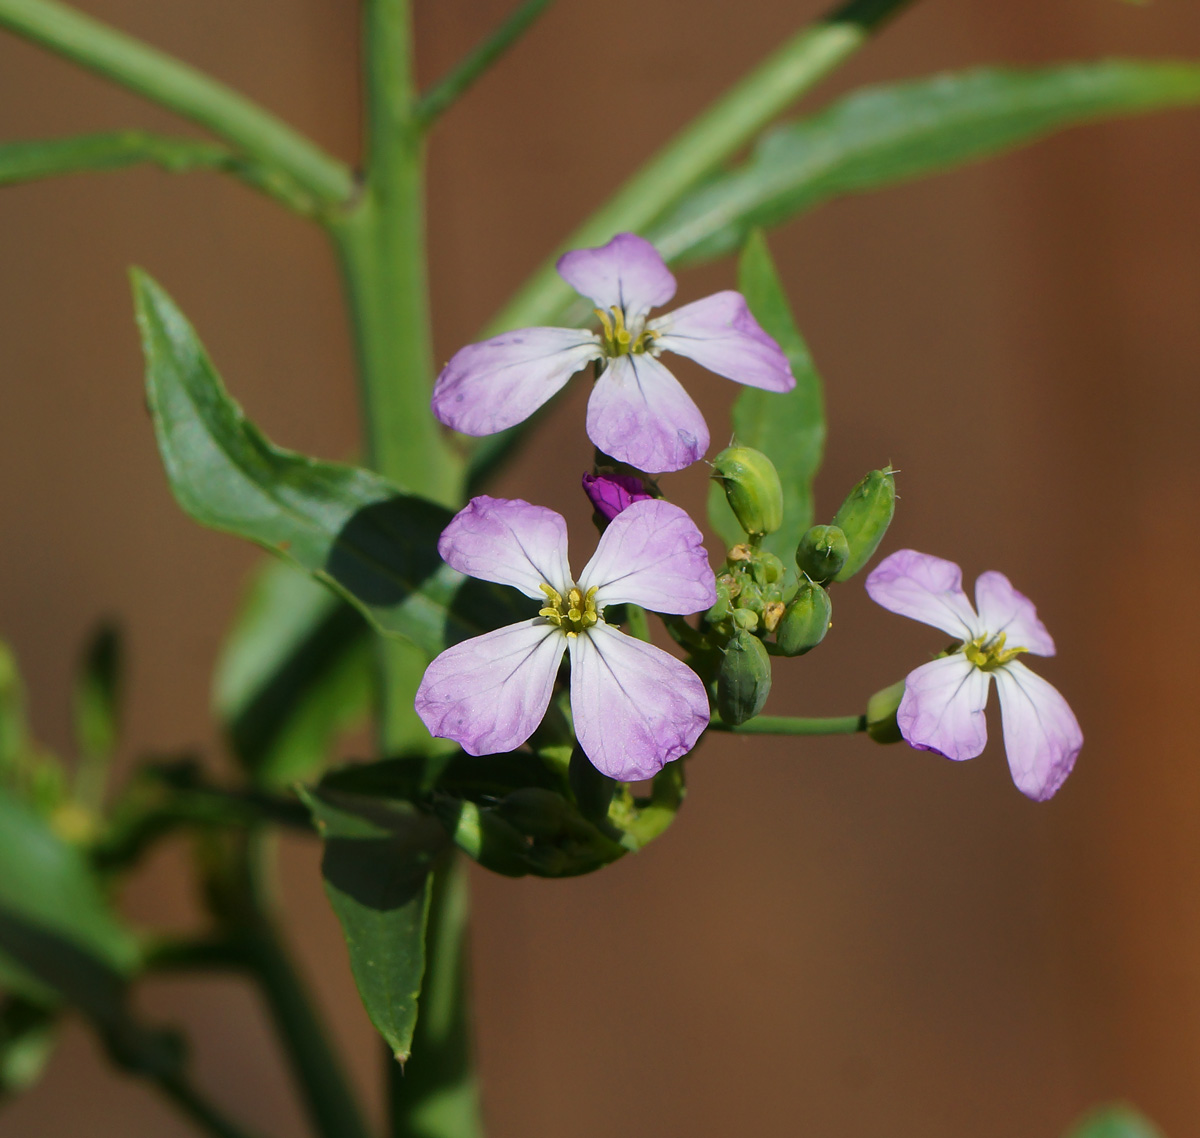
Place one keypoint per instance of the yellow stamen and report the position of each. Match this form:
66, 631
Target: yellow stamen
988, 655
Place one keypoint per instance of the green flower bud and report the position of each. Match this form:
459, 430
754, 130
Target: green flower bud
745, 618
722, 608
752, 487
766, 568
751, 597
881, 714
744, 681
822, 552
864, 518
805, 621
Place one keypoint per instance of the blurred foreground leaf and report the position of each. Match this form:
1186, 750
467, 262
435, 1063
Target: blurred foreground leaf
376, 866
1115, 1121
883, 135
788, 428
354, 531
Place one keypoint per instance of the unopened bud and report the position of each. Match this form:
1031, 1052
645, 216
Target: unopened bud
721, 609
752, 488
745, 618
751, 597
822, 552
744, 681
767, 568
805, 621
881, 714
864, 518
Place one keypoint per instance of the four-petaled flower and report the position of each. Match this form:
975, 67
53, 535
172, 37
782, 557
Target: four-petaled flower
942, 708
635, 707
638, 412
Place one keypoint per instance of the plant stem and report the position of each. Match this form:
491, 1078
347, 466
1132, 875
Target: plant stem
191, 1103
702, 146
332, 1107
793, 725
381, 244
435, 1095
448, 90
173, 84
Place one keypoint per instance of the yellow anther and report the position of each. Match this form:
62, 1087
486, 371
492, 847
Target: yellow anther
988, 655
574, 614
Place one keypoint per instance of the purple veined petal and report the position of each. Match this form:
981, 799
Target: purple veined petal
639, 414
927, 589
508, 541
652, 555
719, 333
493, 385
1041, 734
635, 707
612, 493
942, 708
489, 693
628, 272
1003, 609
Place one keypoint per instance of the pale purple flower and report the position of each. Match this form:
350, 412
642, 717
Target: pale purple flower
638, 413
942, 708
612, 493
635, 707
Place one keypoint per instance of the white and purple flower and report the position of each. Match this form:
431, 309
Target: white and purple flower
638, 412
942, 708
635, 706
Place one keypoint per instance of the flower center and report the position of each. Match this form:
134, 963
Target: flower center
988, 655
619, 340
574, 613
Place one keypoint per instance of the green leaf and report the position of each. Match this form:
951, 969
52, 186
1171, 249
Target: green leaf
376, 866
1115, 1121
884, 135
117, 150
294, 674
59, 940
788, 428
14, 730
354, 531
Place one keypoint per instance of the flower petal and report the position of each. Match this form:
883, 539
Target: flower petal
628, 272
488, 694
719, 333
635, 707
495, 384
1041, 734
924, 588
652, 555
1003, 609
639, 414
508, 541
942, 708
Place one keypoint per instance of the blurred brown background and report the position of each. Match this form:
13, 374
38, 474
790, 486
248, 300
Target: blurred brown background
835, 938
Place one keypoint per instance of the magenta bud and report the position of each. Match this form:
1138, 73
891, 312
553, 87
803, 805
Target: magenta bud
612, 493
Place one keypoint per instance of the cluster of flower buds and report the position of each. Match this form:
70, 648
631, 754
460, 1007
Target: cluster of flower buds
755, 599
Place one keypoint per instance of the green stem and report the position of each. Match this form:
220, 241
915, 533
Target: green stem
381, 245
637, 623
331, 1106
711, 138
794, 725
448, 90
182, 89
435, 1095
196, 1107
